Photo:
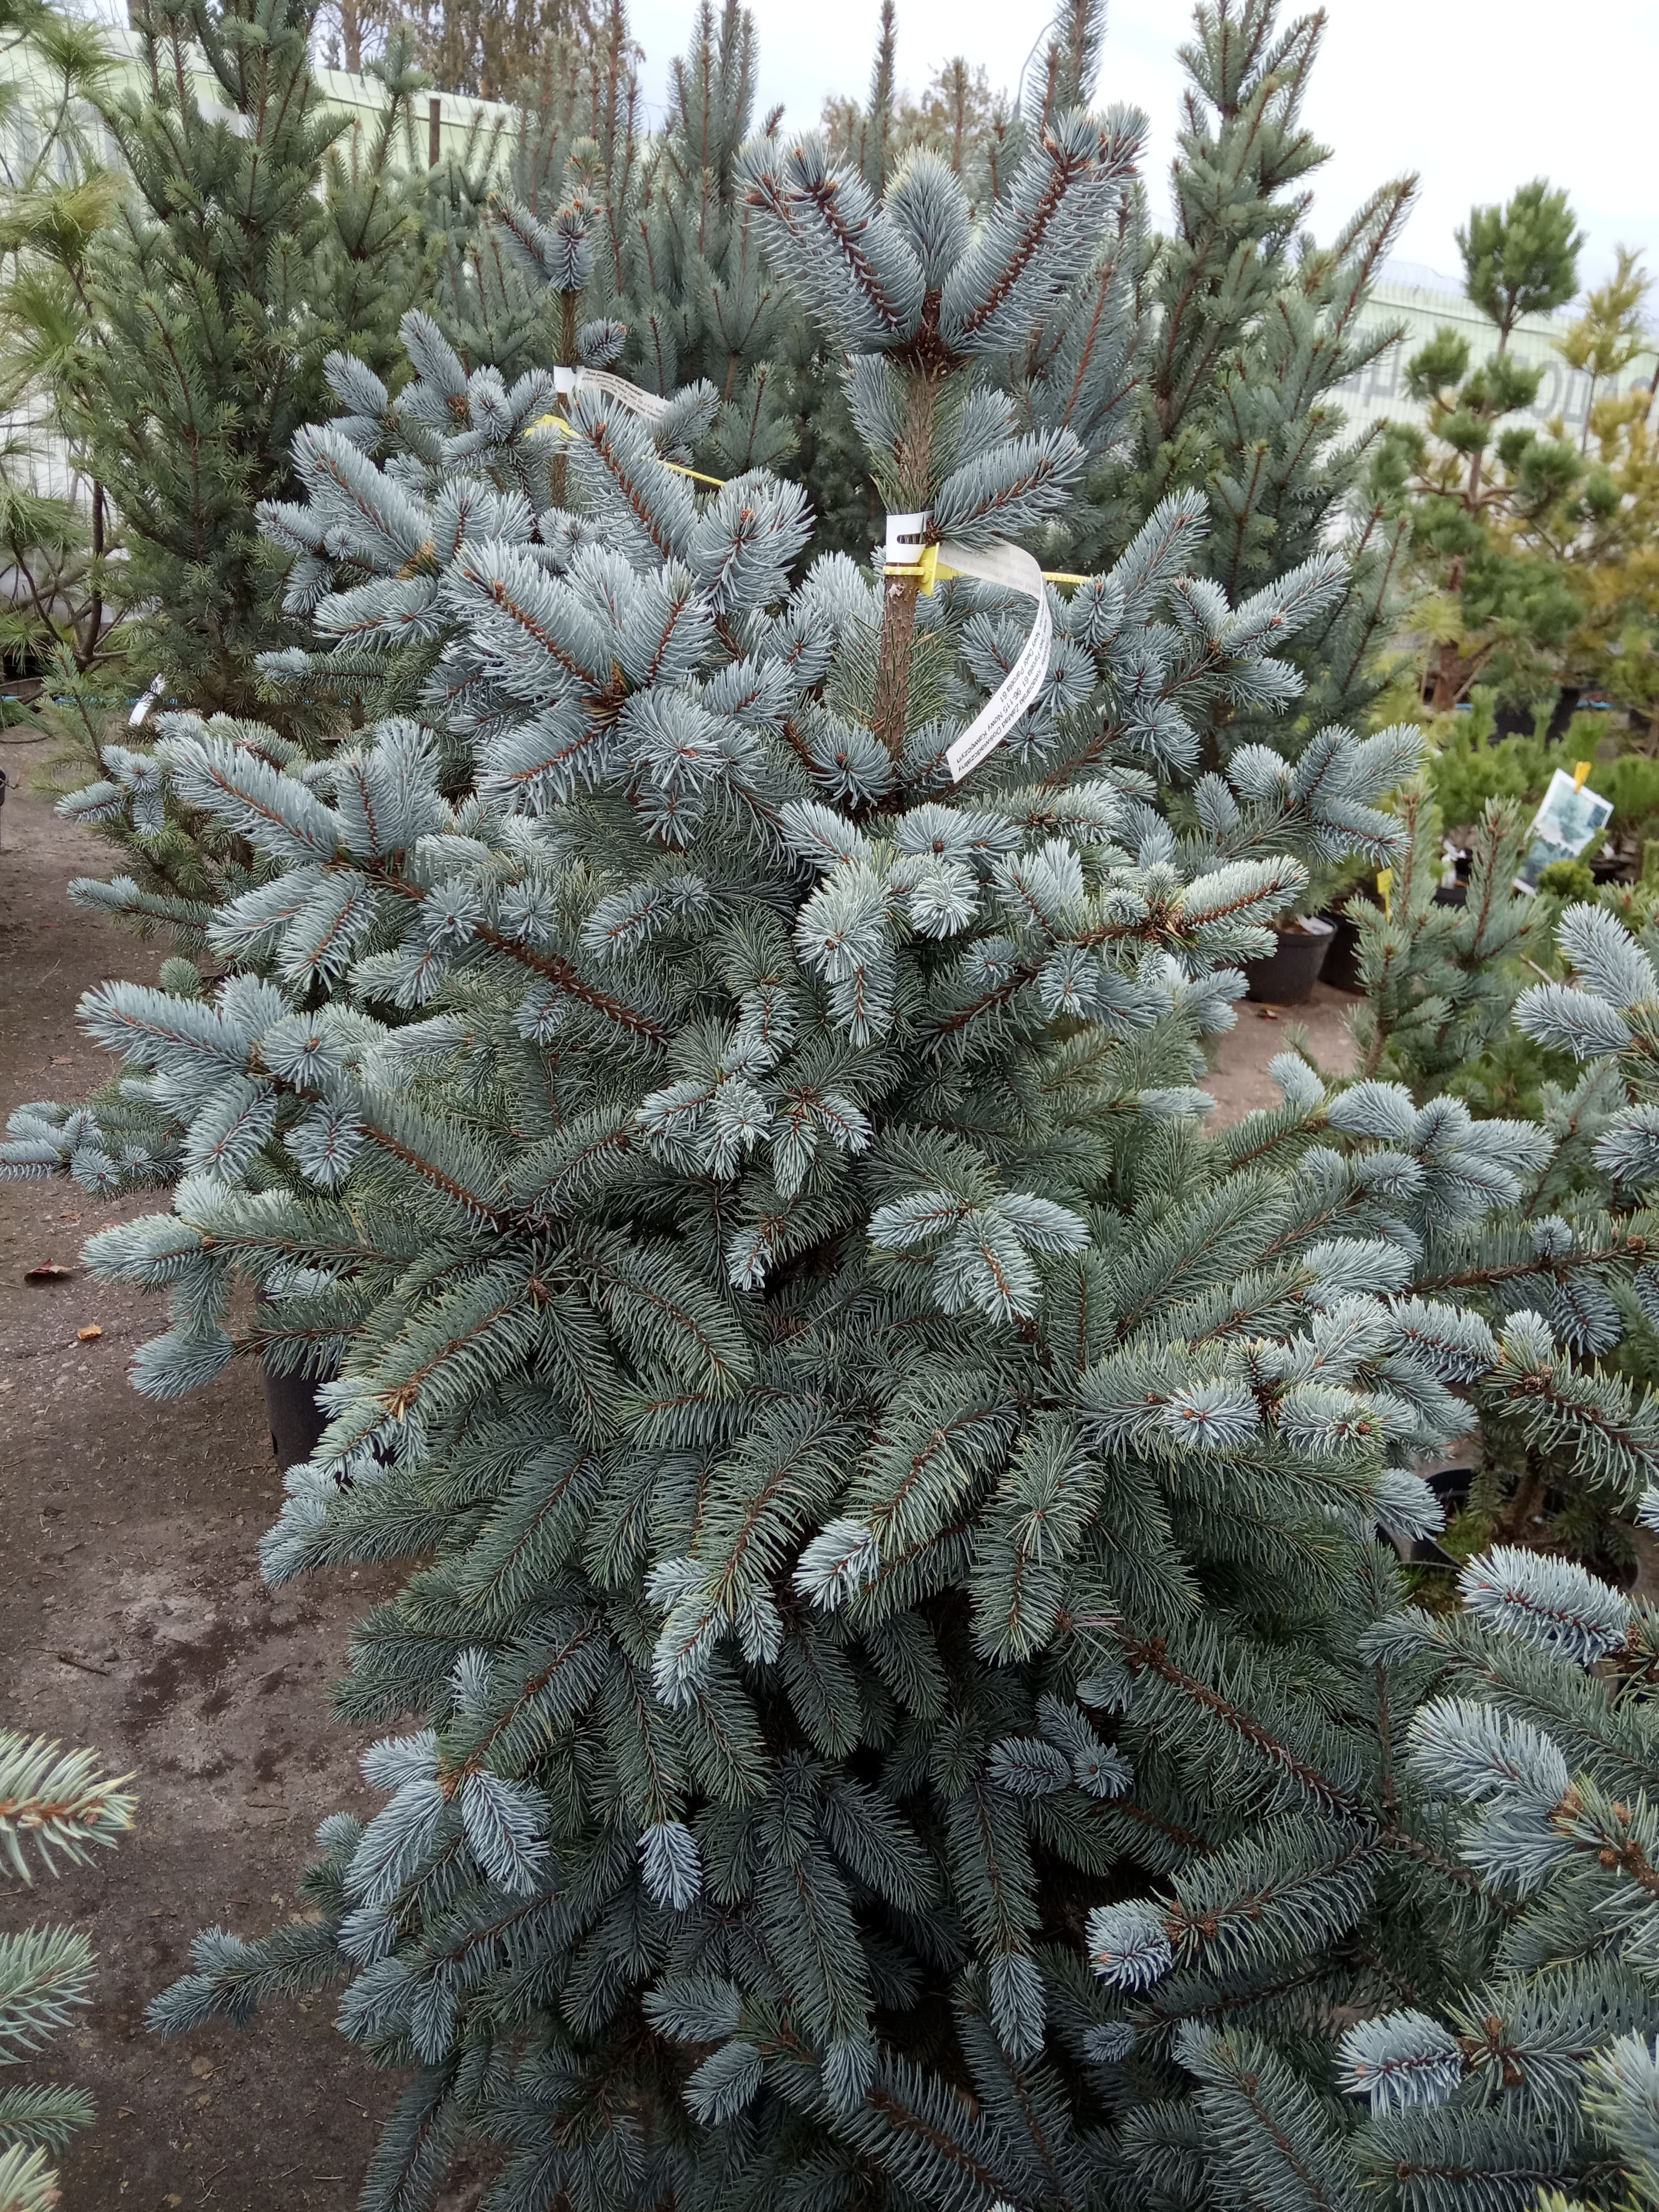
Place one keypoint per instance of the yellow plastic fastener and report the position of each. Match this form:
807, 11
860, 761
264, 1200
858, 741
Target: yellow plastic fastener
925, 565
557, 423
1578, 775
1385, 886
930, 568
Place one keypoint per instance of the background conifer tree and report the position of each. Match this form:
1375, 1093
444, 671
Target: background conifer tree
1249, 330
212, 304
60, 193
1496, 598
698, 300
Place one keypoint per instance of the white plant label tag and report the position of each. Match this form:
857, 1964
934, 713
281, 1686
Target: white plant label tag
158, 685
905, 535
634, 396
1013, 568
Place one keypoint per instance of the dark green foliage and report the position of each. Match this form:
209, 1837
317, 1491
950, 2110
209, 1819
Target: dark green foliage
214, 302
1520, 259
1492, 503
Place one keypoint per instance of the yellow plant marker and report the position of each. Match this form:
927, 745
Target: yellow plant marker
557, 423
1385, 886
1578, 775
930, 568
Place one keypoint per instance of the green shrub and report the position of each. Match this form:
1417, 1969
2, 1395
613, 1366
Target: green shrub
1568, 880
1632, 782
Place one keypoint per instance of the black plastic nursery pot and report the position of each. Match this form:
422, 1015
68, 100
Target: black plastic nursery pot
297, 1421
1290, 971
1341, 968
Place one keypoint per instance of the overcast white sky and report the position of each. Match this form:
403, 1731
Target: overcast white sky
1475, 96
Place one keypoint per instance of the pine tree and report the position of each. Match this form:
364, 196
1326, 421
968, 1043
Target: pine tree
54, 1806
1441, 981
1610, 332
1496, 599
58, 195
1610, 533
212, 305
1520, 259
883, 1491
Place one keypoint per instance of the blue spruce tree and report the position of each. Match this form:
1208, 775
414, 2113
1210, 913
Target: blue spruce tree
902, 1598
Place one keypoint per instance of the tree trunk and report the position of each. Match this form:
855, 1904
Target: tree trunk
898, 599
351, 36
898, 630
1448, 667
1448, 680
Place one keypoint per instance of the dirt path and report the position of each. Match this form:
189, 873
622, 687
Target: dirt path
1241, 1082
132, 1619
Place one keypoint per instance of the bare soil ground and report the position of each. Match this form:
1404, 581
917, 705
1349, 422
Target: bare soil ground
132, 1619
1240, 1082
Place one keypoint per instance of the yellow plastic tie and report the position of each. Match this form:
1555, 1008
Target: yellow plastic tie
925, 565
557, 423
1385, 886
929, 567
1578, 775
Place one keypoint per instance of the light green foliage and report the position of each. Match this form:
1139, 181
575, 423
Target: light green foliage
1440, 980
1470, 766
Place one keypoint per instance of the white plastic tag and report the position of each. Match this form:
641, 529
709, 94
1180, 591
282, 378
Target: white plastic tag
158, 685
904, 536
634, 396
1012, 569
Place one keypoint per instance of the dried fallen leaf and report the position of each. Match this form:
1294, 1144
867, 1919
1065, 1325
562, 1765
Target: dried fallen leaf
1266, 1014
90, 1334
201, 2067
48, 1271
